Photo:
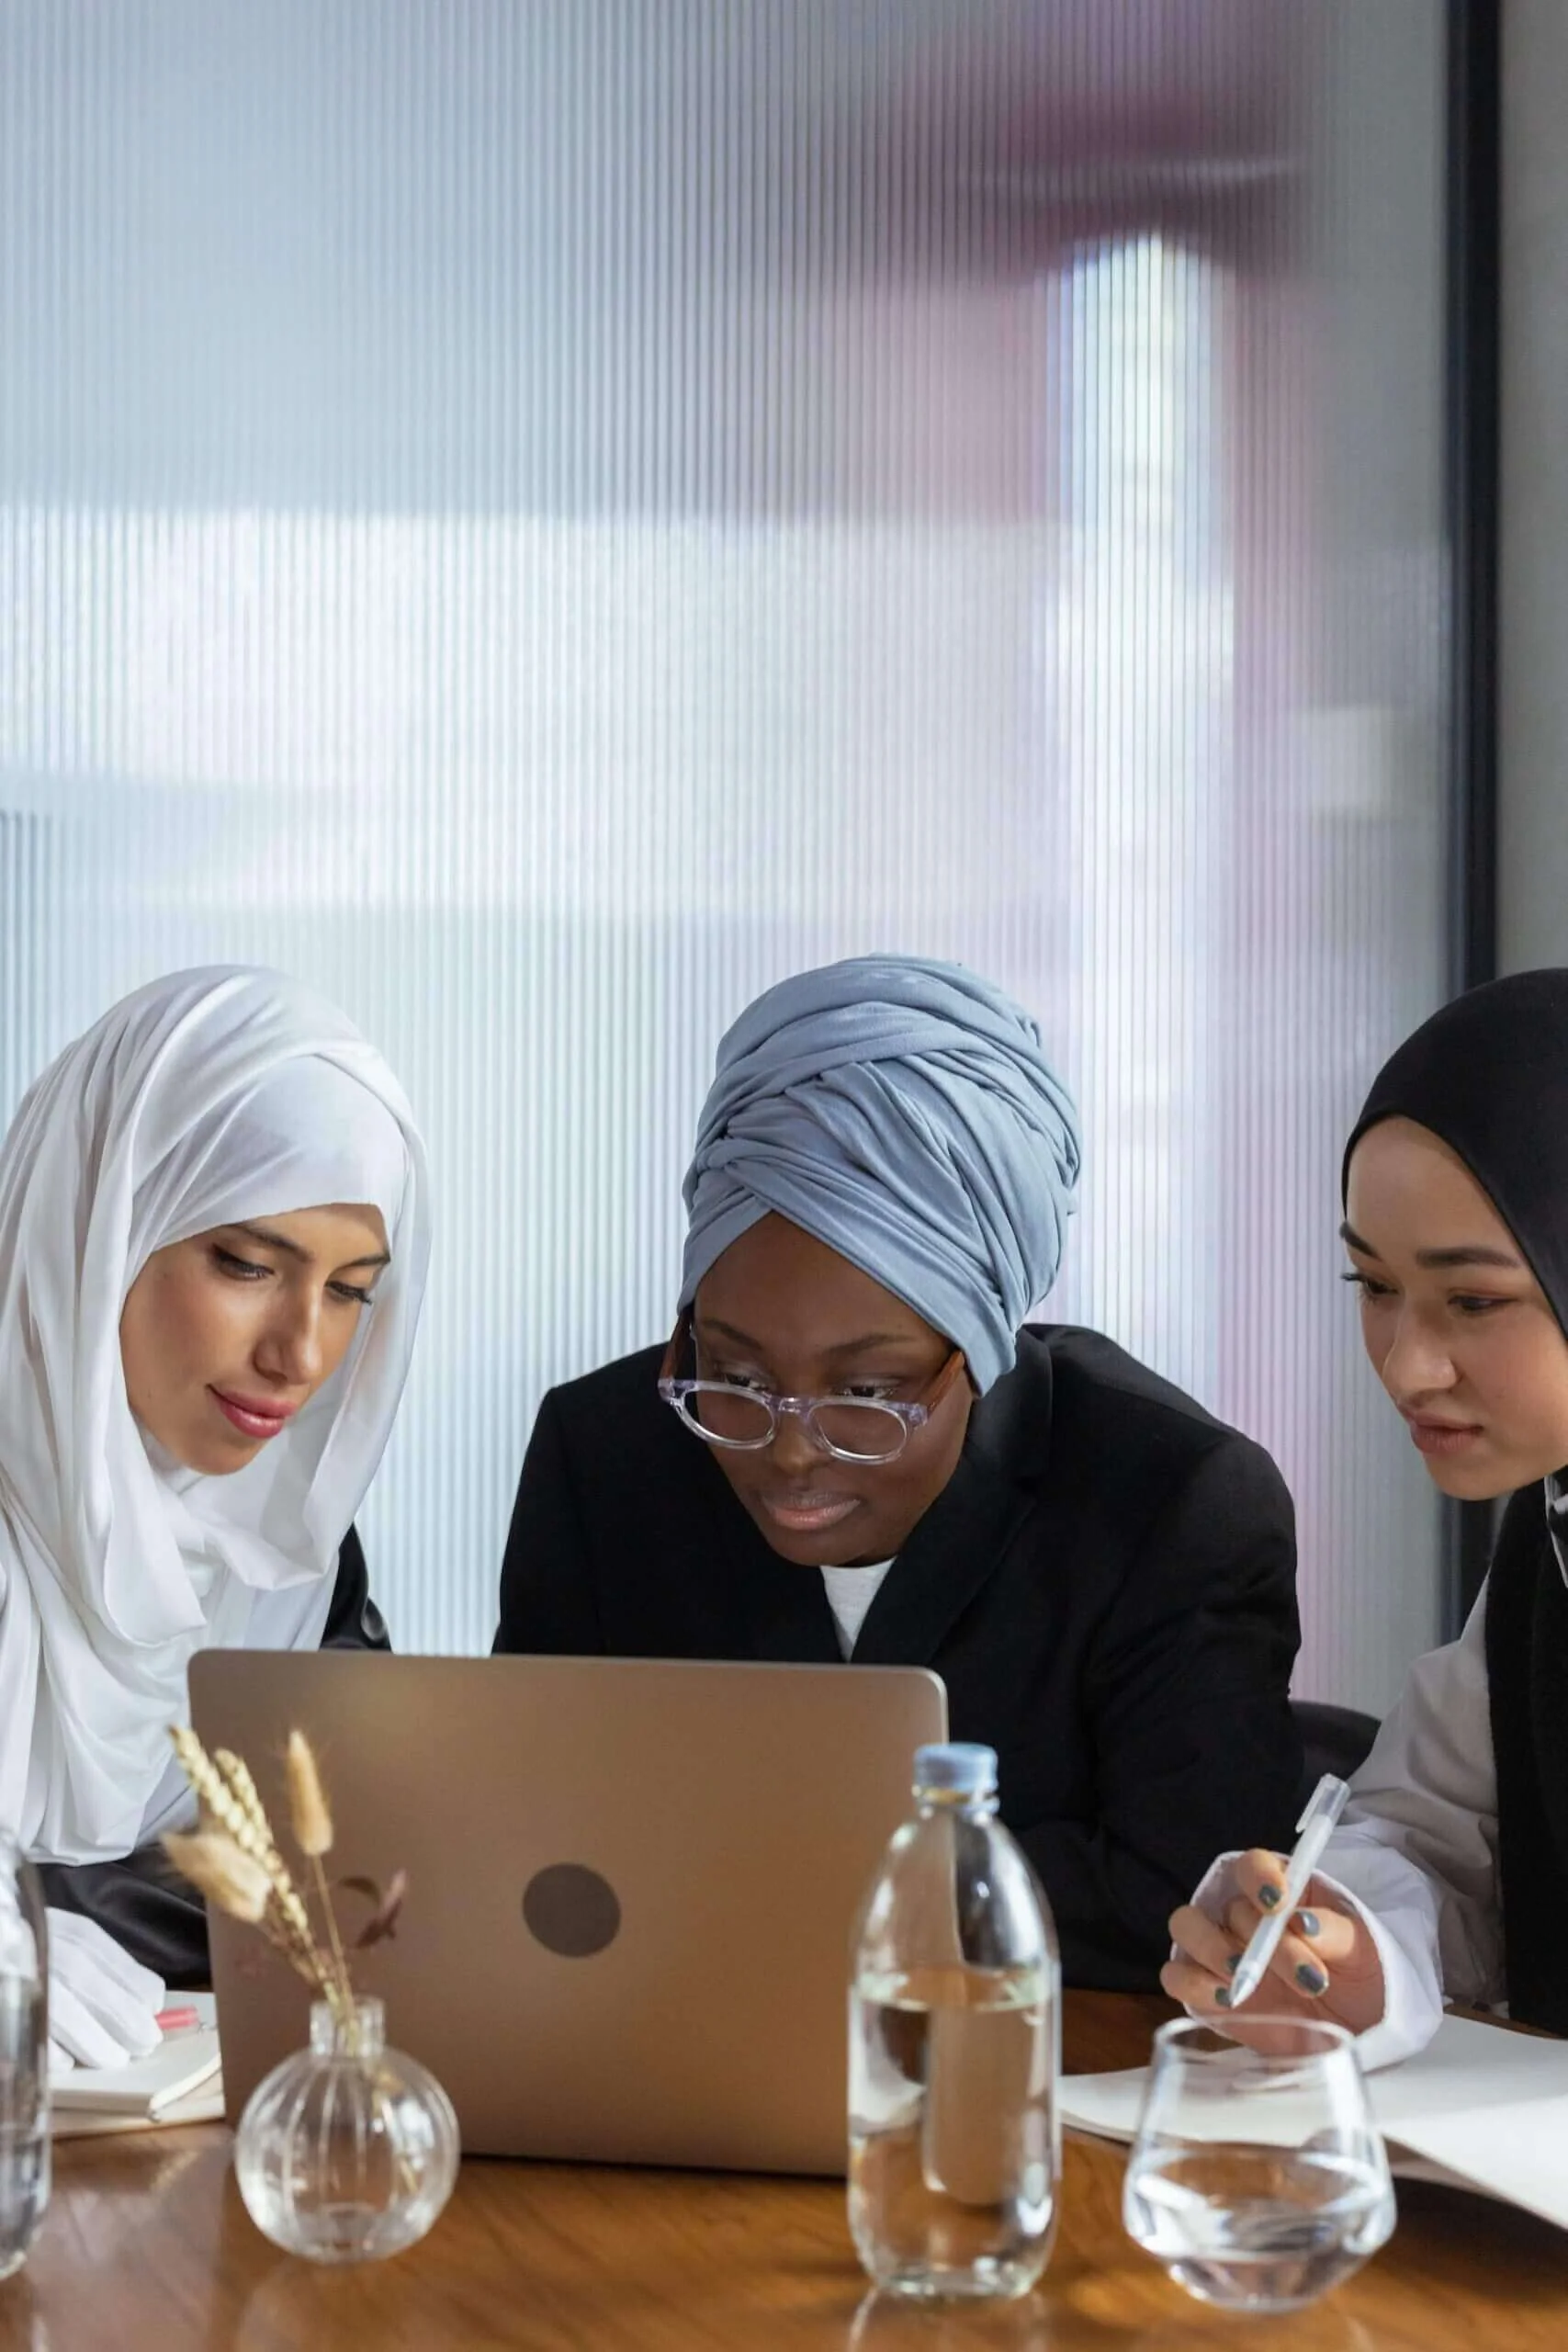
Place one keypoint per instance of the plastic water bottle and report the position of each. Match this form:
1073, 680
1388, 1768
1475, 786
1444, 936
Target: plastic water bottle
954, 2049
24, 2056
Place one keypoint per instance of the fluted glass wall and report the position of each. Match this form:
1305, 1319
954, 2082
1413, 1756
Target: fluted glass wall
542, 518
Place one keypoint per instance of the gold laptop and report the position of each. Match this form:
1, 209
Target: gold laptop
631, 1884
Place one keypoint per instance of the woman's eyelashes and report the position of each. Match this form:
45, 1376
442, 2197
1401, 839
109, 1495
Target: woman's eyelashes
237, 1268
1471, 1304
247, 1270
857, 1392
352, 1295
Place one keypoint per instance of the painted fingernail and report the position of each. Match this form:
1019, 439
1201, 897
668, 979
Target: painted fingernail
1269, 1897
1222, 1997
1232, 1962
1307, 1923
1311, 1979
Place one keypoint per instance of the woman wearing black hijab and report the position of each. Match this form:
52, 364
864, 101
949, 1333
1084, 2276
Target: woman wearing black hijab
1449, 1877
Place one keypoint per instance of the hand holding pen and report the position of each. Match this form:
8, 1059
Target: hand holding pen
1286, 1947
1314, 1830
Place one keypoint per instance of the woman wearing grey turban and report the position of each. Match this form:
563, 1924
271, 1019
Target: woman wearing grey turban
867, 1457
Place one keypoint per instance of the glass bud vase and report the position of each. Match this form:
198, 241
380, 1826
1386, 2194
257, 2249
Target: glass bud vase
348, 2151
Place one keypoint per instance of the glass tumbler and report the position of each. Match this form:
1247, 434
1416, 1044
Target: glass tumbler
1258, 2180
24, 2056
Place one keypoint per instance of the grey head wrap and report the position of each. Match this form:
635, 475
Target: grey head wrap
902, 1112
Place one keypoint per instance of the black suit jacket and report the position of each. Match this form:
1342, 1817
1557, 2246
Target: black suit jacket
149, 1910
1527, 1672
1106, 1585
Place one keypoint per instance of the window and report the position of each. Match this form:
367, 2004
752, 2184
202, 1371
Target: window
542, 521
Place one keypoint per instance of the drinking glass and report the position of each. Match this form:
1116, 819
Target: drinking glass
24, 2056
1259, 2181
887, 2321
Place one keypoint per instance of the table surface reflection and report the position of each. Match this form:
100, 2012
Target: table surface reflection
148, 2249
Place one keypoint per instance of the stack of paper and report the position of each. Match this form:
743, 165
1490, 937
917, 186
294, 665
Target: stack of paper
1479, 2108
180, 2082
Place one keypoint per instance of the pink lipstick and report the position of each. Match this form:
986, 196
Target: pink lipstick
808, 1514
253, 1415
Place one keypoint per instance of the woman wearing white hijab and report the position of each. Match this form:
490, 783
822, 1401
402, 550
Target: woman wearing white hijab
213, 1242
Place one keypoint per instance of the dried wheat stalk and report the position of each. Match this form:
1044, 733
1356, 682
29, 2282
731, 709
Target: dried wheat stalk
233, 1856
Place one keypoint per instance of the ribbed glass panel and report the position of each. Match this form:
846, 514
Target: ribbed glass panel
544, 519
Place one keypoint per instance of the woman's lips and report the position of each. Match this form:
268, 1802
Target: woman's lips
1442, 1437
808, 1514
254, 1417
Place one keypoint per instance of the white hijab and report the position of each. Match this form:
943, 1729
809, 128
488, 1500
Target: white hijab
206, 1099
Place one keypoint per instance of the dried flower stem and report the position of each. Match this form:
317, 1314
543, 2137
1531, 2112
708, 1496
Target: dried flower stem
247, 1796
340, 1962
308, 1810
230, 1800
232, 1879
311, 1818
233, 1859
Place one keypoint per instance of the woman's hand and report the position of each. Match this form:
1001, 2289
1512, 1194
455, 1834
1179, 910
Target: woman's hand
1327, 1964
103, 2005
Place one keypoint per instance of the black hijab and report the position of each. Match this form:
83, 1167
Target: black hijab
1489, 1075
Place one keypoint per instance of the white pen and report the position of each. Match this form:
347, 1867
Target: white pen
1325, 1807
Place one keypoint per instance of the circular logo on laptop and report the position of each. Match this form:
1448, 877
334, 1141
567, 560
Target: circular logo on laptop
571, 1910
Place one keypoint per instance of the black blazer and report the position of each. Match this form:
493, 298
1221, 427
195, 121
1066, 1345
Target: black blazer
1526, 1673
1106, 1585
149, 1910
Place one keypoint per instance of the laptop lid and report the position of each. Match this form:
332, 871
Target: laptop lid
631, 1885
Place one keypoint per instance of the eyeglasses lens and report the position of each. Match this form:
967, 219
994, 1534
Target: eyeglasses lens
867, 1430
729, 1415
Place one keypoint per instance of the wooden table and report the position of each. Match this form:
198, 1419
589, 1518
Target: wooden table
147, 2248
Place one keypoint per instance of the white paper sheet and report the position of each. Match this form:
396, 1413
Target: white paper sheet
202, 2105
184, 2061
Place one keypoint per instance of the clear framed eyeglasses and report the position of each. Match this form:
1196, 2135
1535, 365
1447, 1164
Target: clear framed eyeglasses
747, 1418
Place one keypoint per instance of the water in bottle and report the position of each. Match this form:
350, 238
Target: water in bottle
24, 2057
954, 2035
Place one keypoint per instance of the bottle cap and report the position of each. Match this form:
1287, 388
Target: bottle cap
960, 1766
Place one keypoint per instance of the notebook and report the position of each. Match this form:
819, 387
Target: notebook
180, 2082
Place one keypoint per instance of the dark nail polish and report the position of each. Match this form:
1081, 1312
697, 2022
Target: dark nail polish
1269, 1897
1311, 1979
1232, 1962
1307, 1923
1223, 1996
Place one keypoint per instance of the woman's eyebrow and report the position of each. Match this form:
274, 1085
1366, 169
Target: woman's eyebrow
713, 1325
1465, 1253
874, 1340
270, 1240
